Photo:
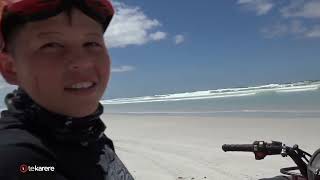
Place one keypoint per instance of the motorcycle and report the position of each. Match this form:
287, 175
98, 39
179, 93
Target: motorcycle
307, 165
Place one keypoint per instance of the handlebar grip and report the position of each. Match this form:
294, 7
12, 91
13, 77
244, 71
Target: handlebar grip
237, 147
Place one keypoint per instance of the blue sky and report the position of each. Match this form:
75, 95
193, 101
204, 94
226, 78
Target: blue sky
162, 47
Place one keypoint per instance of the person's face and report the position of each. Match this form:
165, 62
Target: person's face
63, 65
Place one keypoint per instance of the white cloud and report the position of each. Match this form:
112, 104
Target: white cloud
314, 32
275, 30
158, 36
245, 1
307, 9
294, 27
296, 18
131, 26
122, 69
178, 39
297, 27
302, 8
261, 7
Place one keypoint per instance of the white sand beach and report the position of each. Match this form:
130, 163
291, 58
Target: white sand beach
189, 148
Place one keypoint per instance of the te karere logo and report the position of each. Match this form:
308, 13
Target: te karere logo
25, 168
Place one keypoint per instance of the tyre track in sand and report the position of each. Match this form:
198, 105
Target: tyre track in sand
172, 159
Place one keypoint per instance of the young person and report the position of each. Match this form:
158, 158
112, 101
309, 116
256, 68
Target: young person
54, 51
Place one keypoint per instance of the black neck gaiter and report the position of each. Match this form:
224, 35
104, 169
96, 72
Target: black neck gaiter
61, 128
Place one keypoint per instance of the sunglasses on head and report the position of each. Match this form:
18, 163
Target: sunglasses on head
17, 12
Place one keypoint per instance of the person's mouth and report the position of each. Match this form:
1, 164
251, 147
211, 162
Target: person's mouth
85, 86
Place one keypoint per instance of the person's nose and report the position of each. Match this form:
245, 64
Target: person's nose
78, 59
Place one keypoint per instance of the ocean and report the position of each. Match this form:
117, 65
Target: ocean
296, 100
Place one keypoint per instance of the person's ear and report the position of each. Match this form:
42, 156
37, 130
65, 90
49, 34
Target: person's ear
8, 68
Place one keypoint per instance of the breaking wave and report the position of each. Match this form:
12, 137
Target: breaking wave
221, 93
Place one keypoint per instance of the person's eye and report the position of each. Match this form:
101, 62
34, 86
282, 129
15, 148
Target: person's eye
51, 45
92, 44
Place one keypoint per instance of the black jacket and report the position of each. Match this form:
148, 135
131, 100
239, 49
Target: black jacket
38, 144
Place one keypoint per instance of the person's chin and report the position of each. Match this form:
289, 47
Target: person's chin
82, 111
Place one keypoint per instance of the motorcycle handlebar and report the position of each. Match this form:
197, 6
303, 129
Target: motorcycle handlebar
237, 147
261, 149
258, 146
